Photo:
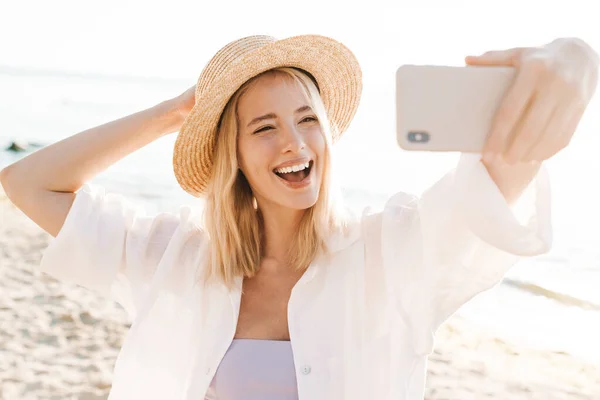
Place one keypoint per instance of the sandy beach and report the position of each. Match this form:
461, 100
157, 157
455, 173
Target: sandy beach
60, 341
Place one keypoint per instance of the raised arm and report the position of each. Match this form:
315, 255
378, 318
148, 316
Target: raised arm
43, 184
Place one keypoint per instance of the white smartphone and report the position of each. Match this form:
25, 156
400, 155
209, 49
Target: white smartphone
447, 108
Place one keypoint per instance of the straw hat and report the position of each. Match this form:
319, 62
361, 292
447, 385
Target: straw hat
333, 66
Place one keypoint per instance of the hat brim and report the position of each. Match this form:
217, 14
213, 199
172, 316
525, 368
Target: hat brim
332, 64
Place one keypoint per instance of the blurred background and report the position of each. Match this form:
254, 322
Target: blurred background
68, 65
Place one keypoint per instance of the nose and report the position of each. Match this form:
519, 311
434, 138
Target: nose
293, 140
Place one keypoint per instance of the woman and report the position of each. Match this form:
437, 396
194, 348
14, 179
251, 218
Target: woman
278, 292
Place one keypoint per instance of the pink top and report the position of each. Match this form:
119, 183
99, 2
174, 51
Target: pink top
254, 369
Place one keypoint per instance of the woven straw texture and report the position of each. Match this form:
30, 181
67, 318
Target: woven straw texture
333, 65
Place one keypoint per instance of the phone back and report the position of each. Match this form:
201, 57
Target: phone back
445, 108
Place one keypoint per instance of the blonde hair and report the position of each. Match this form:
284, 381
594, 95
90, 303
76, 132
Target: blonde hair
231, 220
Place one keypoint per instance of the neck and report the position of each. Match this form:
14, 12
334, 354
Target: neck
280, 228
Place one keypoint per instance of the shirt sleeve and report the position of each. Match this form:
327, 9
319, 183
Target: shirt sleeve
458, 239
109, 245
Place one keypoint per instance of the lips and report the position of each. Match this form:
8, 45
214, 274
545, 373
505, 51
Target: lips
295, 176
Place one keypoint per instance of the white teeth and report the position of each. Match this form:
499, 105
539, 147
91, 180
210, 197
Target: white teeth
293, 168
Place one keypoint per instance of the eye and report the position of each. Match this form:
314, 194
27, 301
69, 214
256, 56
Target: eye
310, 119
264, 129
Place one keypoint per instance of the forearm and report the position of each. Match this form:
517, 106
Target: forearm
66, 165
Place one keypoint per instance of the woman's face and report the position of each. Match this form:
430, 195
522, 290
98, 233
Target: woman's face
280, 144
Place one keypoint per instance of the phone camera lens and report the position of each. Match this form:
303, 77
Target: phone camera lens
418, 137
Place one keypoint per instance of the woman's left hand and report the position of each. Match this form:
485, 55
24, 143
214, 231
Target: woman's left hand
540, 112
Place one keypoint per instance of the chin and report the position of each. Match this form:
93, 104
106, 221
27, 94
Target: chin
302, 202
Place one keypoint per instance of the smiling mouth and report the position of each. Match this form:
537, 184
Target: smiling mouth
297, 176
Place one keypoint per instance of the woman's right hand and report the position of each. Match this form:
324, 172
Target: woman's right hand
185, 102
178, 108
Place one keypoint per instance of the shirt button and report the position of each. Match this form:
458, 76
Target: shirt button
306, 370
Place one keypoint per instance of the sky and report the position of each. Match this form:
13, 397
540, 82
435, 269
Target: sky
175, 38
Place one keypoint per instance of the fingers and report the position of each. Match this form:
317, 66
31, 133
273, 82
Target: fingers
509, 57
565, 138
555, 125
509, 112
531, 129
539, 113
560, 129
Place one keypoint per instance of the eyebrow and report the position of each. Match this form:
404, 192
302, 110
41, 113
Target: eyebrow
273, 116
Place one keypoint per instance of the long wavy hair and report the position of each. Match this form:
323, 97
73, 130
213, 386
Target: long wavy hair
232, 220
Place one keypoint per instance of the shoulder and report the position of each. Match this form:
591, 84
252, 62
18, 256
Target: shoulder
400, 205
177, 242
367, 223
184, 226
179, 233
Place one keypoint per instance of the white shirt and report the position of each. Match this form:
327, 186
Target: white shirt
361, 320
